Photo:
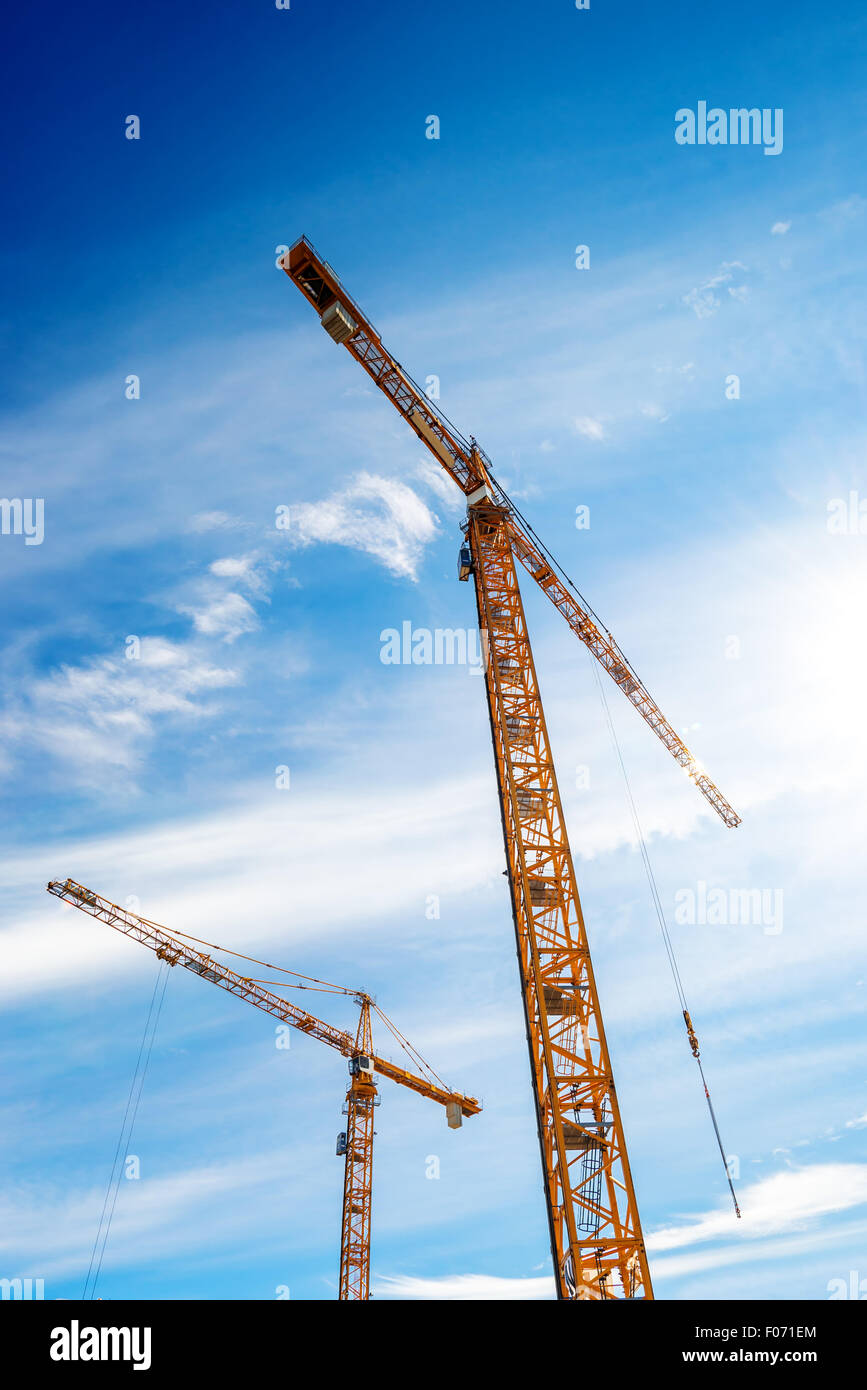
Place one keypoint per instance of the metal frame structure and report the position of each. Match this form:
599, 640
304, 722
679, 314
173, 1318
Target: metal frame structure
361, 1097
592, 1212
596, 1241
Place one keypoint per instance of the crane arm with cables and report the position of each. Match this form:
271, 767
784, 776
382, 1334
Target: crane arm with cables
170, 948
356, 1143
597, 1245
470, 468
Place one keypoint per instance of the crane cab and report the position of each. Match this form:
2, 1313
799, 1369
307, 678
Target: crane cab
361, 1065
341, 1145
465, 563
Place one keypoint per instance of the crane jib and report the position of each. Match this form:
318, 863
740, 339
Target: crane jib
469, 468
176, 952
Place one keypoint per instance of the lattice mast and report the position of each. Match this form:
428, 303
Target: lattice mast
596, 1239
361, 1099
596, 1242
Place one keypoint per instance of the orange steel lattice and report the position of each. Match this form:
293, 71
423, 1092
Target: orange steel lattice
596, 1239
358, 1175
361, 1096
595, 1231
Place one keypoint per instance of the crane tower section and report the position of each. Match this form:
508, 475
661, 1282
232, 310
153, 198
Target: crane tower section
357, 1144
596, 1241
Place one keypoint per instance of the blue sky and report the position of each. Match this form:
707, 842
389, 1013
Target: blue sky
155, 778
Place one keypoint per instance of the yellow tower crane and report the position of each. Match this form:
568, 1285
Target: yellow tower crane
596, 1240
355, 1144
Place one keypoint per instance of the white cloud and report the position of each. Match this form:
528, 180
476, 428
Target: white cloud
485, 1288
212, 521
859, 1123
780, 228
773, 1206
98, 714
259, 865
378, 515
703, 299
434, 476
225, 615
781, 1251
155, 1219
238, 567
590, 428
846, 210
758, 758
655, 412
217, 612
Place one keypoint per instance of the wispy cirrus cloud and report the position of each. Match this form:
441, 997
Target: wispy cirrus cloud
100, 713
218, 611
785, 1206
786, 1201
52, 1228
477, 1288
704, 299
222, 615
381, 516
590, 428
257, 864
212, 521
243, 569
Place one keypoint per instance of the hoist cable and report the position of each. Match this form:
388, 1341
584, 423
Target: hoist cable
407, 1046
126, 1129
325, 986
120, 1136
663, 926
138, 1097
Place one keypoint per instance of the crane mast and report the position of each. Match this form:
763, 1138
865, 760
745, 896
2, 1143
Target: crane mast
356, 1143
596, 1240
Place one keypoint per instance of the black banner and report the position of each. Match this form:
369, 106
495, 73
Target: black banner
69, 1338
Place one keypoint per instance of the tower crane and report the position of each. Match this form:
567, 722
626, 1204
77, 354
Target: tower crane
596, 1240
355, 1144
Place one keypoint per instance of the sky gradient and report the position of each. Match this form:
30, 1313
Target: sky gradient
715, 552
